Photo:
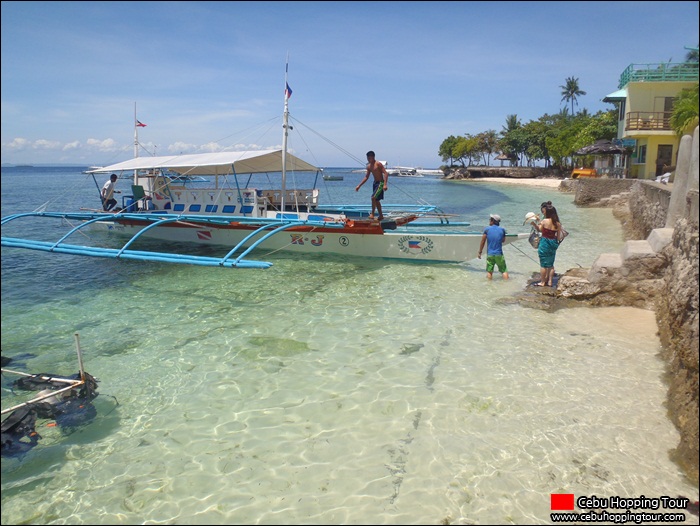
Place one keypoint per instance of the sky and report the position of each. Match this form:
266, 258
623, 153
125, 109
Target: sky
394, 77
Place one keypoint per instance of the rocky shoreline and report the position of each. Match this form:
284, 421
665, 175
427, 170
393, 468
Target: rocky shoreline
512, 172
656, 270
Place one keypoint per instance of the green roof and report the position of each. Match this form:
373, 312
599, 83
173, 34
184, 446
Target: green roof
620, 94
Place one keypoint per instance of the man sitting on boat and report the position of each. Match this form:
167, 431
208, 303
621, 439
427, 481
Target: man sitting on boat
381, 180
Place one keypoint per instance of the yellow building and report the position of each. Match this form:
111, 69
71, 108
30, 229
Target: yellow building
645, 102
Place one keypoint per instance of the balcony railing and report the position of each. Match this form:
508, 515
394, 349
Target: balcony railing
648, 120
663, 72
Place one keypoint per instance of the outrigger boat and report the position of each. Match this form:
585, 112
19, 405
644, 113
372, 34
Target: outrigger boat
244, 218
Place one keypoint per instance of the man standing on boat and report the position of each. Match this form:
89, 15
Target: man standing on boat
381, 182
108, 191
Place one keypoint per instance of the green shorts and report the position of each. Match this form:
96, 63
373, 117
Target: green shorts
499, 261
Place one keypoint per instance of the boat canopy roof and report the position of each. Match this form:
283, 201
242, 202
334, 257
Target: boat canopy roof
219, 163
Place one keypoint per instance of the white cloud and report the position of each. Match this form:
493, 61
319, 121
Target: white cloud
43, 144
75, 145
106, 145
17, 144
210, 147
181, 147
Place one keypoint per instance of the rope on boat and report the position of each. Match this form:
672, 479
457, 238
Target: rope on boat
523, 253
284, 246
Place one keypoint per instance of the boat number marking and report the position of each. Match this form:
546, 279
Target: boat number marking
414, 244
299, 239
344, 241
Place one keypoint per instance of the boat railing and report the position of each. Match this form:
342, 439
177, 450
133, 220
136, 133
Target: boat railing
294, 198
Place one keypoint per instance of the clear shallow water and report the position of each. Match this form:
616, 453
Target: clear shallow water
330, 391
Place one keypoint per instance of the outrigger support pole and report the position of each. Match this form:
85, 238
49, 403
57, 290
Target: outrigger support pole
80, 356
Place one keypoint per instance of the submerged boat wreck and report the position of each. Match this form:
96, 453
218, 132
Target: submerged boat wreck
65, 399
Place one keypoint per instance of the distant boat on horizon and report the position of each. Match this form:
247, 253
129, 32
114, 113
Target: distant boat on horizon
332, 177
424, 171
402, 171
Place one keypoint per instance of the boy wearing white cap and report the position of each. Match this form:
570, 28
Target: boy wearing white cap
494, 234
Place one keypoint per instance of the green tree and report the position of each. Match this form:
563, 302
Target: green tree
488, 144
459, 150
514, 143
446, 150
511, 140
684, 118
692, 55
467, 150
570, 91
536, 149
562, 138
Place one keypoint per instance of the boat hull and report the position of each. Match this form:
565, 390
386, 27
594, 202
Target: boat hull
366, 240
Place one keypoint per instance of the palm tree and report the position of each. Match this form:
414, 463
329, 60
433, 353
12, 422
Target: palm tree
512, 123
684, 118
691, 55
570, 91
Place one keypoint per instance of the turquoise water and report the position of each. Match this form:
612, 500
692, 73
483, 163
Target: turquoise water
325, 391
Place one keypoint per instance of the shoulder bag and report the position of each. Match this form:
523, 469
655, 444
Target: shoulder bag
561, 233
534, 238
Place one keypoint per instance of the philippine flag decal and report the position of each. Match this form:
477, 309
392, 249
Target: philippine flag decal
415, 244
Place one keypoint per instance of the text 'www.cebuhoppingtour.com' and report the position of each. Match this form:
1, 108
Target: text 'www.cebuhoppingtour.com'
617, 510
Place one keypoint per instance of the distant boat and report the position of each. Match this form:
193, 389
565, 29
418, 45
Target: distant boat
403, 171
329, 177
422, 171
186, 178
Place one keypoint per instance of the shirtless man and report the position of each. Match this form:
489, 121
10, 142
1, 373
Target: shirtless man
381, 182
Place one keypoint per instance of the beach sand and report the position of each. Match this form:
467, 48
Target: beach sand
550, 183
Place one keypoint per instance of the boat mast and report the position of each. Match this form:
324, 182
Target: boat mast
136, 143
285, 128
136, 134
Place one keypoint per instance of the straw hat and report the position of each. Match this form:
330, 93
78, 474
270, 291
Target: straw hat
529, 217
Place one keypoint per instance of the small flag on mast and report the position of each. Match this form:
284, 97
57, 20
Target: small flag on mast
140, 124
288, 91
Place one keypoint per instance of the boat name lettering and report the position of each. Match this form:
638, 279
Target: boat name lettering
299, 239
413, 244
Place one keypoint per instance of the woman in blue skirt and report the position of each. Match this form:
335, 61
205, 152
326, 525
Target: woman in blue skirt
547, 250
